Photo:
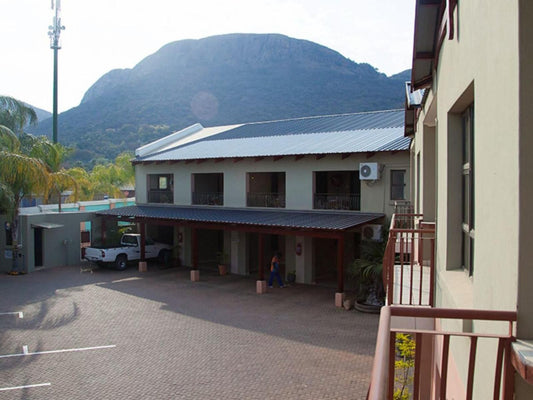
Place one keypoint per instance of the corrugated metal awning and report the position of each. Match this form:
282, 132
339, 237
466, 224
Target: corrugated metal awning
46, 225
332, 221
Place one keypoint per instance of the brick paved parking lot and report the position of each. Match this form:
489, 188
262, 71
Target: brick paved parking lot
157, 335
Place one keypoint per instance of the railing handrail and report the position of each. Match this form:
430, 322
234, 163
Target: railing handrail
454, 313
408, 236
382, 379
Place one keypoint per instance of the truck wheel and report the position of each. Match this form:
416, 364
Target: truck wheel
121, 263
164, 257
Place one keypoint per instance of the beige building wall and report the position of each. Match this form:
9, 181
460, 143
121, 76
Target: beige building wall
299, 181
488, 63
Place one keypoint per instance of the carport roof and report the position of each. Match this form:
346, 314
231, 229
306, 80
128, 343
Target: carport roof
278, 218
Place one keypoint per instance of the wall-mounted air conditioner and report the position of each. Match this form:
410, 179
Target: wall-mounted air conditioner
372, 232
369, 171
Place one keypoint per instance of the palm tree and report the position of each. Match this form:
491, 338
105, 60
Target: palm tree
52, 155
20, 174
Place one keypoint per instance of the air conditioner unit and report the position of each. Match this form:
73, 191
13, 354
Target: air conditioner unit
369, 171
372, 232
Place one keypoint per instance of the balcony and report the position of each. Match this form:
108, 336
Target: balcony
439, 337
275, 200
409, 261
431, 357
337, 201
208, 199
160, 196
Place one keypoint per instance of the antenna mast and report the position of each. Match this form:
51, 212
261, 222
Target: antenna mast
54, 32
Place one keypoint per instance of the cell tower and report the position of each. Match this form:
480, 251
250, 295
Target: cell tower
54, 32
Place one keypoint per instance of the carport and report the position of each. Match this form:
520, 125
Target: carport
315, 224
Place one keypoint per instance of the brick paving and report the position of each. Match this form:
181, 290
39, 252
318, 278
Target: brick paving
177, 339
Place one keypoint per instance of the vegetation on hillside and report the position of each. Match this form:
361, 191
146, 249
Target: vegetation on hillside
216, 81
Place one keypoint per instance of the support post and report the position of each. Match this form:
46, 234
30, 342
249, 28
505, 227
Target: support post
261, 282
195, 272
339, 296
143, 267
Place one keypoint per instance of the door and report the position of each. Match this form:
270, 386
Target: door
38, 246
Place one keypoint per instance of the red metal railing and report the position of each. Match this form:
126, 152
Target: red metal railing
427, 383
409, 261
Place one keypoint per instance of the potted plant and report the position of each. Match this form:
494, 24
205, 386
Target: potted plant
291, 277
223, 261
366, 274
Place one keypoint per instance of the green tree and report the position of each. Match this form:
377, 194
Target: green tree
21, 174
110, 178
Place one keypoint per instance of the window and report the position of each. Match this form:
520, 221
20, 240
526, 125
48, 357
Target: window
468, 190
397, 184
160, 188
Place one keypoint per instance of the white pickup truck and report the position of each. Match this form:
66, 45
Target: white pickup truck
129, 250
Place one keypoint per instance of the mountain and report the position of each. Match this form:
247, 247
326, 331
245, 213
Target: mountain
220, 80
41, 114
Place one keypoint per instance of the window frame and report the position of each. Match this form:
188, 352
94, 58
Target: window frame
467, 190
394, 185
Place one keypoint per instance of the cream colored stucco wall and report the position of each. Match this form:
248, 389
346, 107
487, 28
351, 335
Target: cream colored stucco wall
484, 56
375, 196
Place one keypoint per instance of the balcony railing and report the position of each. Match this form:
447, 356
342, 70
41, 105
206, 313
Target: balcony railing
337, 201
276, 200
160, 196
409, 261
432, 348
208, 199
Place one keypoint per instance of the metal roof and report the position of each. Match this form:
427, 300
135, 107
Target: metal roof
278, 218
346, 133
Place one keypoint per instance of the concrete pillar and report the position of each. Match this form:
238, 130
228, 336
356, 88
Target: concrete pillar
339, 298
143, 266
195, 275
261, 287
238, 253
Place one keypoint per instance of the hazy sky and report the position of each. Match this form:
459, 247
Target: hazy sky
101, 35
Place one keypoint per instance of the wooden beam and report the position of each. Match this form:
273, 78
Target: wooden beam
340, 264
261, 256
218, 160
143, 241
277, 158
344, 156
256, 159
320, 156
299, 157
370, 154
200, 161
424, 55
189, 161
237, 159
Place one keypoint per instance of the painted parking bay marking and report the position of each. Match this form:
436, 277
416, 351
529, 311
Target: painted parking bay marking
25, 386
19, 313
25, 351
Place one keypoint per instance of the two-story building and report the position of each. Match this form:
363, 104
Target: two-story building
307, 187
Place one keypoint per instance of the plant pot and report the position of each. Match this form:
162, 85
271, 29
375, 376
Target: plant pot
222, 269
347, 304
367, 308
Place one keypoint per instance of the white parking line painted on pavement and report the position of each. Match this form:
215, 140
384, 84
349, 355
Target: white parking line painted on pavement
25, 386
56, 351
20, 314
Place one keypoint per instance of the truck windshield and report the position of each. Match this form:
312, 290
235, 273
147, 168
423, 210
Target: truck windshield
129, 240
